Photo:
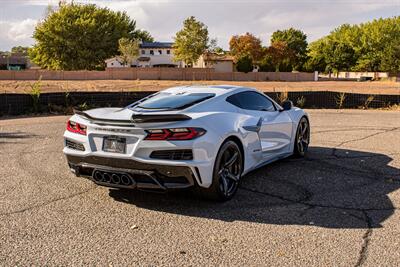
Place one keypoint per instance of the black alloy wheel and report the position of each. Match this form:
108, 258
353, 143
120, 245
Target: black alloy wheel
227, 172
302, 140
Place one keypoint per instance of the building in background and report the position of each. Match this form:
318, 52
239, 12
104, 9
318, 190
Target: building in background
219, 62
151, 54
14, 61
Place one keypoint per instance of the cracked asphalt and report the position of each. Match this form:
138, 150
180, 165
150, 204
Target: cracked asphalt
337, 207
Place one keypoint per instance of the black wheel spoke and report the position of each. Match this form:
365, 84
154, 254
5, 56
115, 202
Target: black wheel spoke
301, 148
232, 177
304, 130
232, 160
224, 184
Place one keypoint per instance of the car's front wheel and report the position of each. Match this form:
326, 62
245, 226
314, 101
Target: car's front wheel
227, 172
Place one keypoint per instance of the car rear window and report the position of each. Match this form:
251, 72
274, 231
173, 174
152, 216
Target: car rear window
173, 101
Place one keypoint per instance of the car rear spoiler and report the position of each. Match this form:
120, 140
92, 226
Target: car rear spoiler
136, 118
141, 118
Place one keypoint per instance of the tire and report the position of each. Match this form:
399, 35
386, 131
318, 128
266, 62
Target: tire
302, 140
227, 172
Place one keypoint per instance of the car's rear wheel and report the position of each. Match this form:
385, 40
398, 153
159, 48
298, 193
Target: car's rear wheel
227, 172
302, 139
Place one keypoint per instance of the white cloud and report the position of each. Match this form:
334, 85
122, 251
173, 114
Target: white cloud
14, 33
21, 30
224, 18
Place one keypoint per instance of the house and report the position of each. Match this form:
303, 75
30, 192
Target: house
219, 62
13, 61
151, 54
114, 62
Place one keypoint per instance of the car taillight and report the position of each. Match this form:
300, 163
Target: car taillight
174, 134
76, 127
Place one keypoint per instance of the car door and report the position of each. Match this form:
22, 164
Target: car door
275, 127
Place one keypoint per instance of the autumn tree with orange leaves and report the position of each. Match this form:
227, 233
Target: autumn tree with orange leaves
246, 45
280, 55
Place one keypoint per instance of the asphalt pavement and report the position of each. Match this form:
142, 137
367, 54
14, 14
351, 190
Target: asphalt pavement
337, 207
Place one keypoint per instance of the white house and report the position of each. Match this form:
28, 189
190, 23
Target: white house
151, 54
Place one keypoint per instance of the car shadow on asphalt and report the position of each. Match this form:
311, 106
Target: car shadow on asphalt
332, 188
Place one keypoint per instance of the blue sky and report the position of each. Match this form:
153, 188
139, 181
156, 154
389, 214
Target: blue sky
224, 18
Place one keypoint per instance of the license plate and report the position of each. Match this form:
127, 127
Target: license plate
114, 144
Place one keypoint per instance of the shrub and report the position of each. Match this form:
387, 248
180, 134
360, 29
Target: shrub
368, 101
301, 101
36, 89
340, 98
282, 97
244, 64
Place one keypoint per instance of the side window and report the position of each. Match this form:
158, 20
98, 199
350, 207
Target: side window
151, 52
252, 101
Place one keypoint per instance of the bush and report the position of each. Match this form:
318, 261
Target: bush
36, 89
301, 101
244, 64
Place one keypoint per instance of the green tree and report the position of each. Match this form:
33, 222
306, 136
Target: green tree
191, 42
370, 46
296, 41
129, 50
219, 50
339, 56
80, 36
20, 49
244, 64
246, 45
391, 61
143, 36
316, 56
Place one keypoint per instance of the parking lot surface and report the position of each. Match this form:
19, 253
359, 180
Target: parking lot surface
338, 207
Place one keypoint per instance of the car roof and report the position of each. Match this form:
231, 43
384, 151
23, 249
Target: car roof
215, 89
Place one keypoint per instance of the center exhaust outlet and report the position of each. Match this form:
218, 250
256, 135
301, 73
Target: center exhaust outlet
115, 178
106, 177
98, 176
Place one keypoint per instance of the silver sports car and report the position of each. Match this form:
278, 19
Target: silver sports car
202, 137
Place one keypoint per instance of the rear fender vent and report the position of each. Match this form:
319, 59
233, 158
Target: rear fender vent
74, 145
181, 154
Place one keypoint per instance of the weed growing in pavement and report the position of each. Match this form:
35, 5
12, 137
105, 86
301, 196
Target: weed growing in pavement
340, 98
368, 101
282, 97
301, 101
36, 89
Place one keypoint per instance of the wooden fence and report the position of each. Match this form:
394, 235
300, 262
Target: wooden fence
182, 74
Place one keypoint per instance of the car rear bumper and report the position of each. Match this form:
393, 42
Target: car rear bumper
142, 175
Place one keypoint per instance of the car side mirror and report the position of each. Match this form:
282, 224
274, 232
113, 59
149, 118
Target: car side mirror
287, 105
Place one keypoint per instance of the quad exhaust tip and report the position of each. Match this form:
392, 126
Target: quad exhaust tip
113, 179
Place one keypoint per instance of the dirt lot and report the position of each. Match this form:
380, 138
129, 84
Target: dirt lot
148, 85
338, 207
